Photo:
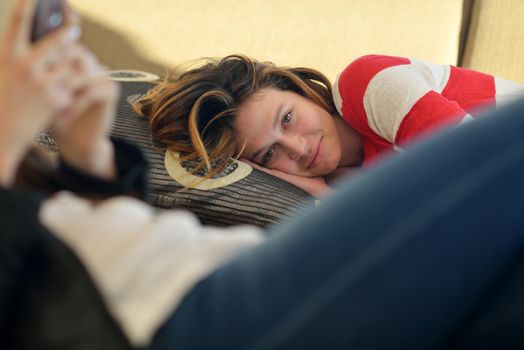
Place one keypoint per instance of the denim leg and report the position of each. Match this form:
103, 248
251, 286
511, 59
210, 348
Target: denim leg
404, 256
500, 320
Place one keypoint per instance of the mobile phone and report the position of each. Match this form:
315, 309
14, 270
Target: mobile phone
49, 15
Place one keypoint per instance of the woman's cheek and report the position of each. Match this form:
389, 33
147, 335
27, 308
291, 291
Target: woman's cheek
283, 165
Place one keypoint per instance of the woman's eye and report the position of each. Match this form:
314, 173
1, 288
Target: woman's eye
286, 118
267, 157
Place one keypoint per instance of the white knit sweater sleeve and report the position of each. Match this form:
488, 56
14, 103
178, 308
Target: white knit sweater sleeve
142, 261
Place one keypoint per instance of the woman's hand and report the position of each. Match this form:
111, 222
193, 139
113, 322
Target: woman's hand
34, 84
82, 130
316, 186
55, 84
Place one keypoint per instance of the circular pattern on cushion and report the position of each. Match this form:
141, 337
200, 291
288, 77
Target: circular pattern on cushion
180, 171
132, 75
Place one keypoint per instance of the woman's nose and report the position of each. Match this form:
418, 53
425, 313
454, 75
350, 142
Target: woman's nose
295, 146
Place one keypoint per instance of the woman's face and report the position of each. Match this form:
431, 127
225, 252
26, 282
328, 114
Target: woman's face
288, 132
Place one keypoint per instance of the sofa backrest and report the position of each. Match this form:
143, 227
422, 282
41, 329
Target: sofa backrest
326, 35
495, 41
163, 34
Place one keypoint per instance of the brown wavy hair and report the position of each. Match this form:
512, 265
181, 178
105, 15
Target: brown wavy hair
194, 114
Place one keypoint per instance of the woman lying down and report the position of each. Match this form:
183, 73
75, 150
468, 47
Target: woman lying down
290, 123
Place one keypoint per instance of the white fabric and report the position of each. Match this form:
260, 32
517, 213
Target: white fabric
435, 75
507, 91
142, 261
388, 100
337, 99
467, 118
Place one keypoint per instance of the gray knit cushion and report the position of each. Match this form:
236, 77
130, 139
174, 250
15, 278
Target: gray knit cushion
253, 197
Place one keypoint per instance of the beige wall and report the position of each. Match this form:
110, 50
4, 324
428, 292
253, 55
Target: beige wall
156, 34
495, 41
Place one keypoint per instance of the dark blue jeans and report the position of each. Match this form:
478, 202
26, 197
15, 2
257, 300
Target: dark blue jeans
424, 251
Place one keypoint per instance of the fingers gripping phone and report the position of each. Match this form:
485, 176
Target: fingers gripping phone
49, 15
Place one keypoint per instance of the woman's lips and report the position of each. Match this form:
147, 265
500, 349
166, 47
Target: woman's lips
317, 156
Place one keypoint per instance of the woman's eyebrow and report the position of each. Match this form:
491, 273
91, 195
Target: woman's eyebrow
276, 119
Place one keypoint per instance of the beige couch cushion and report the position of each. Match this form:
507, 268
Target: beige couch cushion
495, 41
325, 35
